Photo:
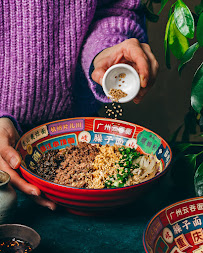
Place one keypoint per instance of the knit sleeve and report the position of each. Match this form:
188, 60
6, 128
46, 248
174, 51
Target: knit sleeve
4, 114
114, 22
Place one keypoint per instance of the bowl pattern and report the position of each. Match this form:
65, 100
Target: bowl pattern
177, 228
62, 133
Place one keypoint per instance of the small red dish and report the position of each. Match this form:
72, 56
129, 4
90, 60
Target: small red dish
62, 133
176, 228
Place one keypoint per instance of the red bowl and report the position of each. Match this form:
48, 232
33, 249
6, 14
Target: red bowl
62, 133
176, 228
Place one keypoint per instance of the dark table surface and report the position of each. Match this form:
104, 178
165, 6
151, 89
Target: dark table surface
119, 232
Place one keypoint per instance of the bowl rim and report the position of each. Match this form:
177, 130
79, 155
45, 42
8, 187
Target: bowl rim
126, 66
24, 226
90, 189
7, 180
157, 214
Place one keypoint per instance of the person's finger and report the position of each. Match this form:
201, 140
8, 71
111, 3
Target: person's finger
29, 189
17, 181
153, 62
8, 137
105, 60
141, 94
44, 202
98, 74
153, 73
134, 53
9, 154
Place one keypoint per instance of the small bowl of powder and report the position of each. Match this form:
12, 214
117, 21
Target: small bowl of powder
121, 83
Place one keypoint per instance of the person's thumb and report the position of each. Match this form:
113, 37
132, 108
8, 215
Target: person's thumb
98, 74
10, 155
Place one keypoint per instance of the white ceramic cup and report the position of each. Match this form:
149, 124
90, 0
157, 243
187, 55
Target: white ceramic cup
124, 77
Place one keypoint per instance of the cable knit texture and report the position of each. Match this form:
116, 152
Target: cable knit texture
46, 49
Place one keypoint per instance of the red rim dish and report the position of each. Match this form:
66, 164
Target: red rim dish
89, 201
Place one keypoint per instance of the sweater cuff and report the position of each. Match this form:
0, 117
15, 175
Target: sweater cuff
97, 88
4, 114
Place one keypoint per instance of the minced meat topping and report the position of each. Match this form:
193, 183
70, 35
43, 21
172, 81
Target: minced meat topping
97, 166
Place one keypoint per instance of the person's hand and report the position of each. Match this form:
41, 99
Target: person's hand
138, 55
10, 160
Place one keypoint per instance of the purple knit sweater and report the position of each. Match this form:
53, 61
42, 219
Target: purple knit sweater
46, 46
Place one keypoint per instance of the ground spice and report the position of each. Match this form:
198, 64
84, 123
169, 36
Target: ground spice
117, 94
114, 110
122, 75
13, 245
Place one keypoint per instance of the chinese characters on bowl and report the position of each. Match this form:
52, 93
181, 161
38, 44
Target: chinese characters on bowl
63, 133
176, 229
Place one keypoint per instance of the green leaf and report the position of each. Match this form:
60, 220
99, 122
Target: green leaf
200, 30
163, 3
198, 180
199, 8
150, 15
188, 55
184, 19
171, 10
151, 7
166, 48
177, 42
197, 90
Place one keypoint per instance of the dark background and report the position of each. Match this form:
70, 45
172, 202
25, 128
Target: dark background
164, 107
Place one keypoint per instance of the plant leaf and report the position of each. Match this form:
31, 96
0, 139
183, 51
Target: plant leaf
166, 48
197, 90
151, 7
171, 10
198, 180
199, 8
200, 30
177, 42
188, 55
150, 15
163, 3
184, 19
196, 17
